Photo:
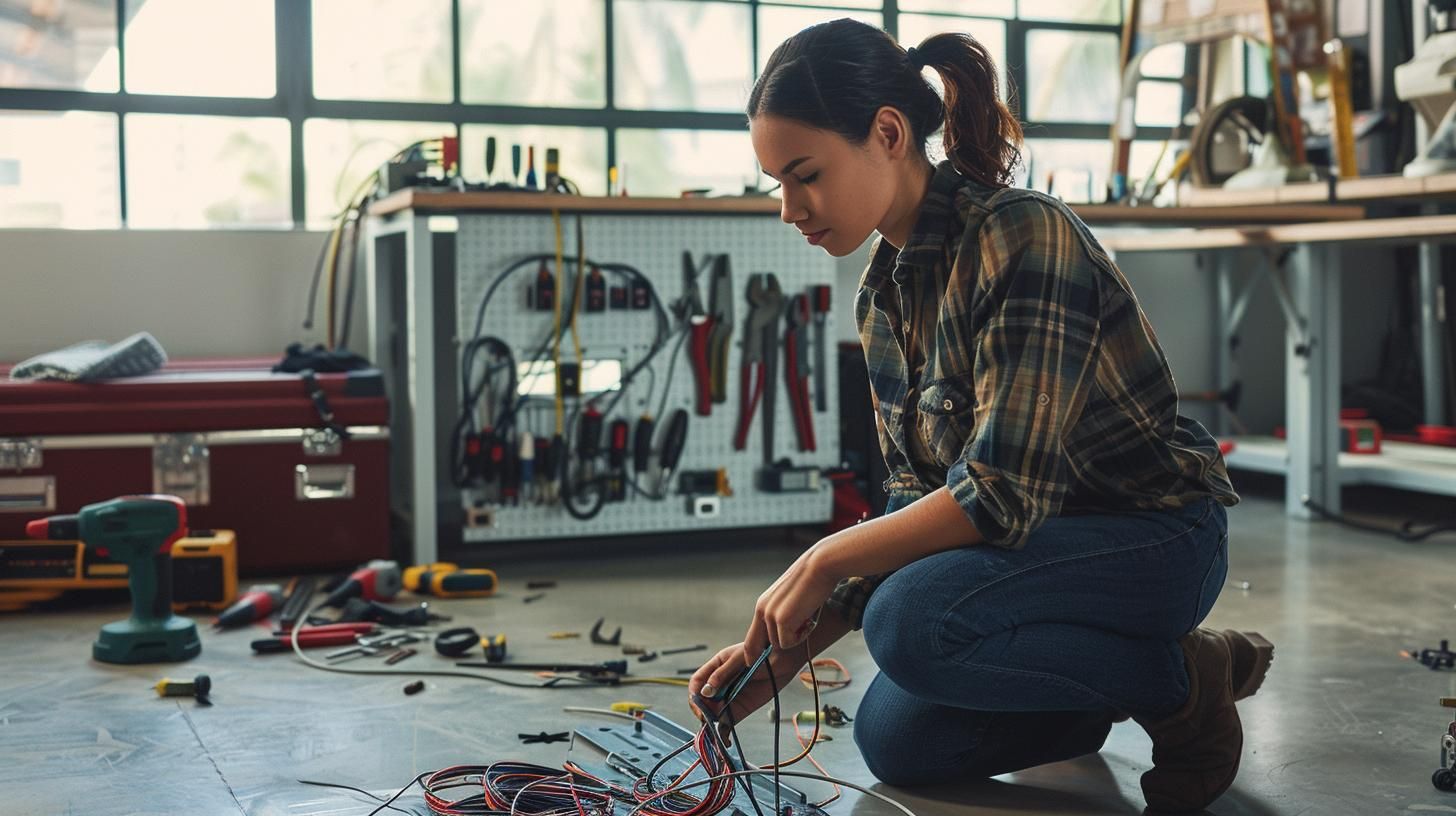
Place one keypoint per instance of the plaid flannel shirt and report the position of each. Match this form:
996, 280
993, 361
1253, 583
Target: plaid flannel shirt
1009, 361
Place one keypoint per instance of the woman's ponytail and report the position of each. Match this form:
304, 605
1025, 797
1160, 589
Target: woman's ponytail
982, 135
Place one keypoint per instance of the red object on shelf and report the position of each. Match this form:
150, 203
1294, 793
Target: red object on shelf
1437, 435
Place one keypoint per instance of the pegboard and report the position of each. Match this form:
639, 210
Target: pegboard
653, 244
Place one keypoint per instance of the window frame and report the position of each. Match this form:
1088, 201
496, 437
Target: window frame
294, 101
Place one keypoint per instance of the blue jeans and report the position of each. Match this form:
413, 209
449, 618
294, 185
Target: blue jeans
993, 660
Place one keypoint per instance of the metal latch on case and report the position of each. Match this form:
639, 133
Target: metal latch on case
180, 467
322, 442
20, 454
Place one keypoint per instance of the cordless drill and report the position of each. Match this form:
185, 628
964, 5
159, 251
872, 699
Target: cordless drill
138, 531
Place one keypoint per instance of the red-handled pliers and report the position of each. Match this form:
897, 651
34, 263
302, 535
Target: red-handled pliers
760, 359
796, 370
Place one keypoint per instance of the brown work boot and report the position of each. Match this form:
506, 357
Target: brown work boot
1196, 749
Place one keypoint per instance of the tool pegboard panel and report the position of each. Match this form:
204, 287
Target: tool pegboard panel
654, 245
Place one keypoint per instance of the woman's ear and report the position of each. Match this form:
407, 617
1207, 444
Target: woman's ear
890, 131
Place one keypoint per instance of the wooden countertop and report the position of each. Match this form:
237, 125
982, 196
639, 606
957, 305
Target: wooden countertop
442, 202
1414, 229
1372, 188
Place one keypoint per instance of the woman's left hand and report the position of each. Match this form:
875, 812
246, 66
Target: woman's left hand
788, 610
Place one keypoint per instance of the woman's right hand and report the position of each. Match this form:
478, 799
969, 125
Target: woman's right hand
723, 668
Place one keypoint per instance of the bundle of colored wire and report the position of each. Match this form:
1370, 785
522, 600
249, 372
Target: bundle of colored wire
515, 788
719, 795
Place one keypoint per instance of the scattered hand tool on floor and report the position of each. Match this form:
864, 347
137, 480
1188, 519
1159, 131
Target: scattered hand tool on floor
495, 647
137, 531
376, 580
540, 585
254, 605
1439, 658
301, 592
446, 580
533, 598
759, 366
605, 667
564, 635
356, 609
543, 737
597, 638
199, 687
402, 654
684, 650
312, 637
456, 642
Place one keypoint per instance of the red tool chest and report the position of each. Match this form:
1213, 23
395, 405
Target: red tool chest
247, 450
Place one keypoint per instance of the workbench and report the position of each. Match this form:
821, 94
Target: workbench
415, 291
1310, 458
1315, 219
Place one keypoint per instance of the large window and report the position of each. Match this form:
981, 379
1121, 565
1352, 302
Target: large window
270, 113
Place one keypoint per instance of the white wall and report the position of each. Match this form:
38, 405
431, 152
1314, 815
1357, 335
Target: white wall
199, 293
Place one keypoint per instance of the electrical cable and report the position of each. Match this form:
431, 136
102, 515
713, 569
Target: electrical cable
524, 789
1406, 532
375, 797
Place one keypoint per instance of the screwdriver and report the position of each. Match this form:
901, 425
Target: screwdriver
510, 473
489, 159
257, 603
820, 302
589, 440
617, 461
199, 687
515, 164
531, 167
672, 446
527, 458
642, 445
552, 462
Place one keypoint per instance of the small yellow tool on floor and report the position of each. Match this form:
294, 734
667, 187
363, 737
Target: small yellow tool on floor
627, 707
199, 687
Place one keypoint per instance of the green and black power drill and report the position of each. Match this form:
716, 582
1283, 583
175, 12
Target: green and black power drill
138, 531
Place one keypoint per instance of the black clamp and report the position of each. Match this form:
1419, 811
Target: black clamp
321, 402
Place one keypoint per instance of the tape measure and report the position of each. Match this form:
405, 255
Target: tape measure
456, 642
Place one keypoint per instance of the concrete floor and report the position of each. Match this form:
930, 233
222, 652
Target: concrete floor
1343, 725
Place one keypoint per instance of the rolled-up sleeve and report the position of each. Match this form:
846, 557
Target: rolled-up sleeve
1037, 332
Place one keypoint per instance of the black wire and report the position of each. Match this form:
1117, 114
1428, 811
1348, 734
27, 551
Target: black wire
400, 792
313, 286
353, 275
773, 683
361, 790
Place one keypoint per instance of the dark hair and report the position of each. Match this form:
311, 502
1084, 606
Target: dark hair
834, 76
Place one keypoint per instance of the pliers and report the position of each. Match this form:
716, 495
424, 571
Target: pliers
720, 309
760, 359
796, 370
701, 327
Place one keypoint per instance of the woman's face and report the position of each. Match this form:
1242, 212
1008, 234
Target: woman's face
834, 192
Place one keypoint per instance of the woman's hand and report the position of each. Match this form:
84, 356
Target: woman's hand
723, 669
788, 610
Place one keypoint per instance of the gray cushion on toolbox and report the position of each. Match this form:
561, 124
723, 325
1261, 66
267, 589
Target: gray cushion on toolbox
95, 360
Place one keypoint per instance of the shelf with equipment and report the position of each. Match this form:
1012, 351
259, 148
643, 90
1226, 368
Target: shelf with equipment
1403, 465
